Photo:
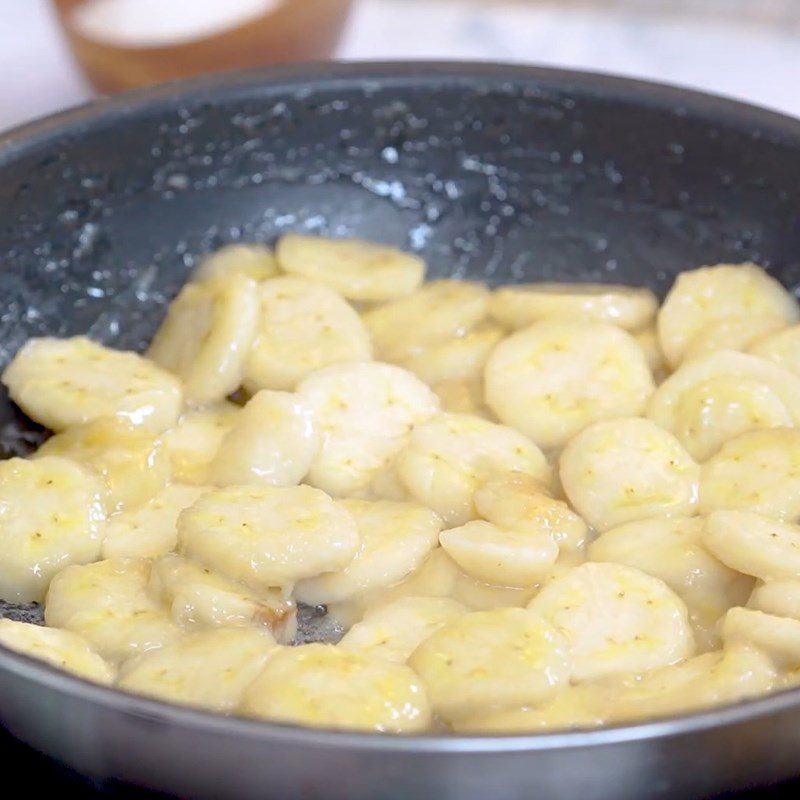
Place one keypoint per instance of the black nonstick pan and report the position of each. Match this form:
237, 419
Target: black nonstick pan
494, 172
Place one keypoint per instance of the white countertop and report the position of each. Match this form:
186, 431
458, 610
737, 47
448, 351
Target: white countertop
751, 55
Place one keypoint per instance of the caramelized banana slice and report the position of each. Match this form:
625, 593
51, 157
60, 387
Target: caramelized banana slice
65, 382
51, 515
253, 261
553, 379
782, 348
325, 686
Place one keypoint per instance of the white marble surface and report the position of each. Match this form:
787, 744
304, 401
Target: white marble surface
745, 50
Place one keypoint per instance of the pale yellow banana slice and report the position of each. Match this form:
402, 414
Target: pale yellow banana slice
386, 484
208, 669
463, 397
274, 441
782, 348
51, 515
354, 268
521, 305
61, 649
731, 334
757, 471
134, 465
364, 413
647, 339
393, 631
778, 637
65, 382
200, 597
778, 597
627, 469
267, 536
714, 294
206, 336
108, 604
325, 686
195, 440
481, 596
302, 327
150, 530
553, 379
395, 540
253, 261
617, 619
716, 397
754, 544
492, 660
452, 455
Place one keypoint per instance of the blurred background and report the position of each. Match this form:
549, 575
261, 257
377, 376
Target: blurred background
56, 53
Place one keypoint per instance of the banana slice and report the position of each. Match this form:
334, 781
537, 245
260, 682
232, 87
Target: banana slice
757, 471
754, 544
209, 669
386, 484
274, 441
66, 382
731, 334
778, 597
491, 660
521, 305
672, 550
501, 556
108, 604
481, 596
354, 268
61, 649
393, 631
716, 294
134, 465
199, 597
647, 339
451, 455
253, 261
325, 686
267, 536
782, 348
364, 412
151, 530
302, 327
518, 501
617, 619
194, 442
778, 637
51, 515
395, 540
627, 469
716, 397
553, 379
439, 312
463, 397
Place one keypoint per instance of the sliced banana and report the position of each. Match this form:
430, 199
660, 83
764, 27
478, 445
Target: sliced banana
782, 348
267, 536
778, 597
491, 660
731, 334
134, 465
65, 382
108, 604
151, 530
715, 294
51, 515
757, 471
393, 631
479, 595
617, 619
778, 637
395, 540
463, 397
200, 597
439, 312
718, 396
521, 305
627, 469
302, 327
253, 261
274, 441
326, 686
451, 455
195, 440
647, 339
208, 669
386, 484
754, 544
61, 649
553, 379
501, 556
364, 413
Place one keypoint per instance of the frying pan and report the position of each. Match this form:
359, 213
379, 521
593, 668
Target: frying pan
493, 172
